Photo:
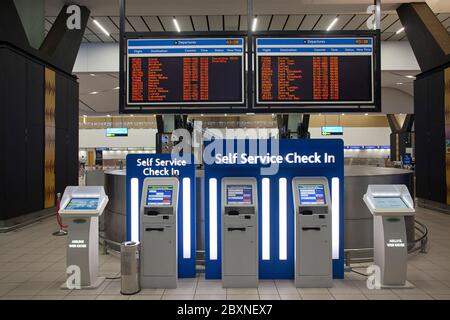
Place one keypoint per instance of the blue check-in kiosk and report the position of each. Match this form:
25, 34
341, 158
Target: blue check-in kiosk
295, 239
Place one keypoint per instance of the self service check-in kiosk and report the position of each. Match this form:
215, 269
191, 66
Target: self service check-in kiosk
81, 207
159, 262
239, 232
313, 259
389, 204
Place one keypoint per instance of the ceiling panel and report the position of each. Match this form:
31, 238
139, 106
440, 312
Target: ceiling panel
324, 21
138, 23
167, 22
443, 16
200, 23
388, 21
108, 24
128, 27
263, 23
395, 27
309, 21
386, 35
293, 22
342, 21
278, 22
231, 23
243, 25
215, 23
154, 24
185, 23
356, 22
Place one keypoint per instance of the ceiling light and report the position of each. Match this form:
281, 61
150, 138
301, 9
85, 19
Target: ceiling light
92, 74
400, 30
94, 92
101, 28
366, 114
332, 23
410, 77
175, 22
399, 83
116, 88
255, 23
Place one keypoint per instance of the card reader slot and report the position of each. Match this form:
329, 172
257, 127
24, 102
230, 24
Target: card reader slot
233, 213
236, 229
311, 228
154, 229
306, 212
153, 213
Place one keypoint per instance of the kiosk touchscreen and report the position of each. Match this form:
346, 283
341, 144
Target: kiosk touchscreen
313, 259
239, 232
81, 207
389, 204
159, 204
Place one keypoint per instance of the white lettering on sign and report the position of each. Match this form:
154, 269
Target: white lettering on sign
77, 244
292, 158
150, 163
395, 243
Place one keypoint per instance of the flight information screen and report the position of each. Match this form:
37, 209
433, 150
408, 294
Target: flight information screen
314, 71
82, 204
389, 203
311, 194
159, 195
239, 194
185, 71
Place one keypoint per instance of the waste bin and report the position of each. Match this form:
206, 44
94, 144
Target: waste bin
129, 267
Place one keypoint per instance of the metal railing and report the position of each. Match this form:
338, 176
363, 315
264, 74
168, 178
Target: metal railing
419, 244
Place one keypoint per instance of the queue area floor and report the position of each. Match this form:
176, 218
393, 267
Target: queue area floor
32, 264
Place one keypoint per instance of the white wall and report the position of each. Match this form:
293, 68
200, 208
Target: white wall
359, 136
396, 101
137, 138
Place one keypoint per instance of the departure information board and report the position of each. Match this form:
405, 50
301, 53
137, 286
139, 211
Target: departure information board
174, 72
315, 71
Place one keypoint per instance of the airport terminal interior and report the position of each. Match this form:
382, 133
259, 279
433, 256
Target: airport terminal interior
225, 150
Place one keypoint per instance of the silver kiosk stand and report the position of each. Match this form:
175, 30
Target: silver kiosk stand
389, 204
239, 233
159, 254
313, 250
81, 207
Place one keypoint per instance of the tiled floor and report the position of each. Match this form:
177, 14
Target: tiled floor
32, 264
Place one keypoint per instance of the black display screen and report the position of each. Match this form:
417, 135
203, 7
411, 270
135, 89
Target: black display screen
315, 70
185, 71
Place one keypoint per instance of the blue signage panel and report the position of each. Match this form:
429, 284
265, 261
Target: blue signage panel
141, 166
279, 161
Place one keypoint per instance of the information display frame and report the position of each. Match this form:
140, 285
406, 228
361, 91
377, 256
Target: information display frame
186, 107
321, 107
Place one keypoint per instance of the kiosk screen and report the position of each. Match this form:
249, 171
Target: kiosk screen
239, 195
389, 203
82, 204
159, 195
311, 194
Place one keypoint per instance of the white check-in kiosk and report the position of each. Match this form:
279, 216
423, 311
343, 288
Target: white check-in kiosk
158, 233
80, 208
239, 232
389, 204
313, 250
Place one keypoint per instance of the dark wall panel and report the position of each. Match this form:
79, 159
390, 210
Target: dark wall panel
14, 120
430, 137
436, 151
22, 133
422, 137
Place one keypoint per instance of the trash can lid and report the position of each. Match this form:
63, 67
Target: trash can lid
130, 243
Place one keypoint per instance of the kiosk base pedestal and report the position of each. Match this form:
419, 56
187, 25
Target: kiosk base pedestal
313, 282
97, 283
239, 282
407, 285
